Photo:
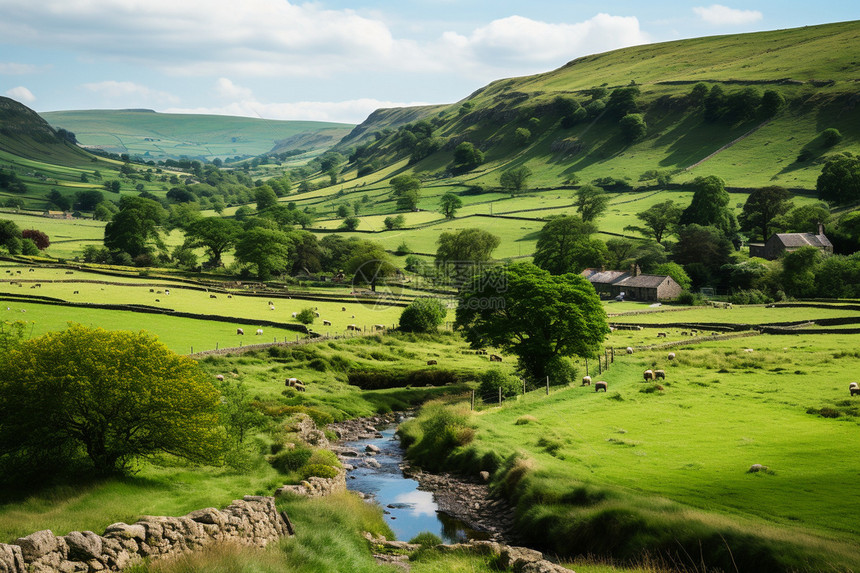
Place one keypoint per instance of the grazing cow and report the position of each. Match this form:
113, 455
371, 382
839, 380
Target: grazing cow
351, 327
659, 375
854, 389
671, 356
212, 296
431, 363
326, 323
259, 331
219, 377
600, 385
648, 375
586, 380
240, 331
495, 358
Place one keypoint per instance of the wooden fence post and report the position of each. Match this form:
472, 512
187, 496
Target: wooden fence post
500, 395
547, 385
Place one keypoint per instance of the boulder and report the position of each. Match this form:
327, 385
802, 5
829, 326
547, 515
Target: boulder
125, 531
84, 545
39, 544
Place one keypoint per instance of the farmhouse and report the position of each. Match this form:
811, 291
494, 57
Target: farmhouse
780, 243
633, 285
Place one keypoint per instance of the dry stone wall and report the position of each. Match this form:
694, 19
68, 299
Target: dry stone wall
252, 521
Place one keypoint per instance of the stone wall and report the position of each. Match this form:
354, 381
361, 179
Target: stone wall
252, 521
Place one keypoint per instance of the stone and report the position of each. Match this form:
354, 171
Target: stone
11, 559
38, 544
485, 476
84, 545
372, 463
372, 449
125, 531
210, 515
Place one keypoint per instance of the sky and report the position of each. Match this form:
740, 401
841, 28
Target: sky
332, 60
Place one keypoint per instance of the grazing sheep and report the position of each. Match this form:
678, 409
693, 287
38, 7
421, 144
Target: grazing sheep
351, 327
431, 363
326, 323
166, 291
158, 300
295, 314
76, 292
240, 331
353, 316
378, 327
748, 350
586, 380
272, 307
671, 356
600, 385
629, 350
659, 375
755, 468
229, 296
661, 335
495, 358
343, 308
316, 314
152, 290
271, 303
31, 270
212, 296
648, 375
219, 377
295, 383
259, 331
611, 329
854, 389
683, 333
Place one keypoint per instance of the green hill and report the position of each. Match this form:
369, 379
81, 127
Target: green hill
159, 136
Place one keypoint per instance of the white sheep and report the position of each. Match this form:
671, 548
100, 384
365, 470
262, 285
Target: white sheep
295, 314
600, 385
219, 377
586, 380
659, 375
326, 323
671, 356
648, 375
240, 331
259, 331
629, 350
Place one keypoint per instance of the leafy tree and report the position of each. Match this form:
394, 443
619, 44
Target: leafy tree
838, 277
423, 315
705, 245
466, 246
698, 94
591, 201
267, 250
536, 315
395, 222
406, 190
675, 271
238, 414
409, 200
715, 103
798, 271
522, 136
59, 200
710, 206
761, 207
619, 252
117, 396
622, 101
39, 238
11, 334
742, 105
495, 382
771, 102
565, 245
658, 220
214, 234
265, 197
831, 136
29, 248
180, 195
350, 223
369, 263
342, 211
307, 254
135, 228
105, 210
839, 181
448, 205
515, 180
633, 127
88, 200
306, 316
801, 219
467, 157
184, 257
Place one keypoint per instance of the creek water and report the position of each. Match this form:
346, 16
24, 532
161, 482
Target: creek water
408, 510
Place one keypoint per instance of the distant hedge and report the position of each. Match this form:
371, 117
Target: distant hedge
378, 380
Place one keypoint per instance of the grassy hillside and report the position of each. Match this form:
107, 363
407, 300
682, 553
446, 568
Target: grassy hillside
152, 135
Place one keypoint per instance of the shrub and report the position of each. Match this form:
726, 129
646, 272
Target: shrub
376, 380
325, 457
495, 378
752, 296
291, 459
561, 371
527, 419
691, 298
423, 315
831, 136
426, 539
306, 316
318, 470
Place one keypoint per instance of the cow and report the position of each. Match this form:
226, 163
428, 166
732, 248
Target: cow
854, 389
240, 331
495, 358
661, 335
659, 375
378, 327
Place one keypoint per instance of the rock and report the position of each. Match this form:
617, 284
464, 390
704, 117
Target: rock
11, 559
125, 531
517, 557
38, 544
372, 449
485, 476
209, 515
372, 463
84, 545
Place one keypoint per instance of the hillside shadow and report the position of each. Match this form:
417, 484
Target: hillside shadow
701, 140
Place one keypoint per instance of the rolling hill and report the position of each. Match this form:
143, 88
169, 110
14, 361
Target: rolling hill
157, 136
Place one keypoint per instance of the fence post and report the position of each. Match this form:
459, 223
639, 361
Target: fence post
599, 366
500, 395
216, 346
586, 367
612, 349
547, 385
524, 386
192, 350
472, 401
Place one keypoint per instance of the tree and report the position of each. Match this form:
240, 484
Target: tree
839, 181
622, 101
214, 234
135, 228
710, 206
29, 248
522, 136
406, 191
40, 238
533, 314
771, 102
265, 197
88, 200
565, 245
704, 245
342, 211
268, 250
409, 200
658, 219
59, 200
467, 246
798, 271
802, 218
350, 223
515, 180
467, 157
118, 396
369, 263
448, 205
10, 237
591, 201
761, 207
715, 103
633, 127
831, 136
675, 271
306, 316
395, 222
105, 210
423, 315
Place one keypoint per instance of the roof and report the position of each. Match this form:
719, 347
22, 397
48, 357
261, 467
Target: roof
797, 240
643, 281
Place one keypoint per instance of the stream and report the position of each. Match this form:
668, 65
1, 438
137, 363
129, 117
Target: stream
408, 509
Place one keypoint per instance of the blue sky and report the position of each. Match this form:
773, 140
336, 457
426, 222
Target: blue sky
331, 60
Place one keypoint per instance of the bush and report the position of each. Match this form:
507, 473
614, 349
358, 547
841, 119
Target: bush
495, 378
435, 433
561, 371
426, 539
831, 136
318, 470
377, 380
306, 316
691, 298
752, 296
423, 315
290, 460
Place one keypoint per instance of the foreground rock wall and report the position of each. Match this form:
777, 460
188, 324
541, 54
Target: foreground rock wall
252, 521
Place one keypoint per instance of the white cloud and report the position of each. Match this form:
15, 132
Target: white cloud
21, 94
14, 69
719, 15
228, 90
130, 91
349, 111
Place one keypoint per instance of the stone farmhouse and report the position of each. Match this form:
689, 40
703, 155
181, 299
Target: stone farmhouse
780, 243
633, 284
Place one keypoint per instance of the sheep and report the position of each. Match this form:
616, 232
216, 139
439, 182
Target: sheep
748, 350
295, 314
240, 331
295, 383
629, 350
229, 296
316, 314
854, 389
600, 385
271, 303
76, 292
671, 356
271, 307
661, 335
378, 327
495, 358
326, 323
659, 375
431, 363
648, 375
353, 316
259, 331
212, 296
31, 270
219, 377
351, 327
158, 300
343, 309
586, 380
683, 333
152, 290
167, 291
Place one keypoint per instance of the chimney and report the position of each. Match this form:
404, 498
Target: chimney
820, 228
635, 270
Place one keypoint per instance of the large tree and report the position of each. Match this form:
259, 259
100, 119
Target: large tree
369, 264
515, 180
710, 206
116, 396
839, 181
448, 205
214, 234
658, 220
267, 250
762, 206
466, 245
136, 227
10, 237
565, 245
703, 245
591, 201
533, 314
